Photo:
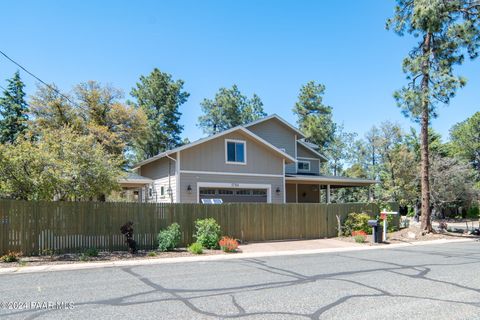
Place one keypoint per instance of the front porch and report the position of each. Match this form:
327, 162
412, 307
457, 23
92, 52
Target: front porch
135, 188
317, 189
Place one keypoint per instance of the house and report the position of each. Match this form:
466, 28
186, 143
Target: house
267, 160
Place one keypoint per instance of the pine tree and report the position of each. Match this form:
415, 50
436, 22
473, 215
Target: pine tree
13, 110
229, 108
160, 97
447, 30
314, 117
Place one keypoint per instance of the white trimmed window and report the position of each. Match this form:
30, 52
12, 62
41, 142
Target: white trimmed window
235, 151
303, 165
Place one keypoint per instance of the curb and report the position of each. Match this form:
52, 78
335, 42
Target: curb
145, 262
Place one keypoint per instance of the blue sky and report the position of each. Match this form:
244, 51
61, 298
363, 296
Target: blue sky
266, 47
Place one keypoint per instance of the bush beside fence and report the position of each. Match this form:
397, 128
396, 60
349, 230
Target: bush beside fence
35, 227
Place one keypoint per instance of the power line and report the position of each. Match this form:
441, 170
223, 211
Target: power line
37, 78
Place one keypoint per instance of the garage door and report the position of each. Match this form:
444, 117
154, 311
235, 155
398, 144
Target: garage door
229, 195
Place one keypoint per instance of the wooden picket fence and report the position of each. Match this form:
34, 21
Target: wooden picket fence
33, 227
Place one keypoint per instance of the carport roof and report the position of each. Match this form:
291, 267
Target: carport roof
329, 180
134, 179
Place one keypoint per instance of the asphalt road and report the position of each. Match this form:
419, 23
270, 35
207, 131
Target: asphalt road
421, 282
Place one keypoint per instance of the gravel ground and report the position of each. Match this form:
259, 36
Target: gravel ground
102, 256
412, 234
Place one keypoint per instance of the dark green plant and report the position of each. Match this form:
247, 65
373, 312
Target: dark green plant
207, 233
473, 212
169, 238
196, 248
91, 252
356, 222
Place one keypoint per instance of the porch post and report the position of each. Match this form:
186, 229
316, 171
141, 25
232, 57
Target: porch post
319, 194
328, 193
296, 192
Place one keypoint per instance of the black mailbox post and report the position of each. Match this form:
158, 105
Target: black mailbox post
376, 234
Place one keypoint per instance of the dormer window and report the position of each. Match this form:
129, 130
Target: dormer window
303, 166
235, 152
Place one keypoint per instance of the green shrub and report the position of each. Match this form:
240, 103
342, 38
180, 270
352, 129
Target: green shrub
356, 222
169, 238
152, 254
11, 256
47, 252
84, 257
196, 248
473, 212
359, 239
411, 212
207, 233
390, 225
91, 252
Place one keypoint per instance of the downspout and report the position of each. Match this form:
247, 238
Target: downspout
169, 182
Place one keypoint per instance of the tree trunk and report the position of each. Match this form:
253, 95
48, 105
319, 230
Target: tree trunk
425, 219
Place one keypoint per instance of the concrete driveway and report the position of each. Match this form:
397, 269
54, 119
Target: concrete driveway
279, 246
437, 281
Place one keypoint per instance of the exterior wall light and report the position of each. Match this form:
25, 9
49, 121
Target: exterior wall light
189, 189
278, 190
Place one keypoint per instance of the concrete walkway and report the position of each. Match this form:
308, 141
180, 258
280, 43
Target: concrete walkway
297, 245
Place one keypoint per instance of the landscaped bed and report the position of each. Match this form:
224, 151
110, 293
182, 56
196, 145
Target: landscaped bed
208, 236
104, 256
411, 234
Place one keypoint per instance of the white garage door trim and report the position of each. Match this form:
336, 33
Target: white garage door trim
235, 186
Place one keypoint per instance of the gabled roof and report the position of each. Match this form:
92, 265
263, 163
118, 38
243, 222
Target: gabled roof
203, 140
277, 117
304, 144
311, 145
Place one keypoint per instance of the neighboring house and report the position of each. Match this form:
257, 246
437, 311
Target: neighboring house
264, 161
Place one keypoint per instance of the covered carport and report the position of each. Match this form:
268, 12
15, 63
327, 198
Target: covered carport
135, 187
309, 189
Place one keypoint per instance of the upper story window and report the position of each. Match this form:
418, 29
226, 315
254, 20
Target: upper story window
303, 165
235, 152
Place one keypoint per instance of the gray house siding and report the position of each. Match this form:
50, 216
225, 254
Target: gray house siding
279, 135
162, 172
210, 156
158, 169
303, 154
232, 181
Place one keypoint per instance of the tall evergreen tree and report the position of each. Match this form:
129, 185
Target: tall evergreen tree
13, 110
447, 30
314, 117
229, 108
465, 140
160, 97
